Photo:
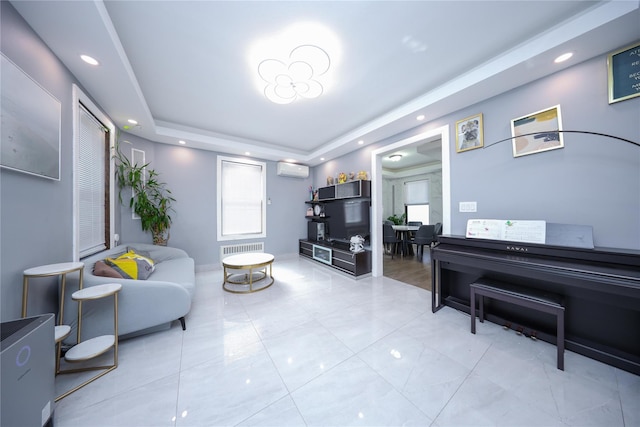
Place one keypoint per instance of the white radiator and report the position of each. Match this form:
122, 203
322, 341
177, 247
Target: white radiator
241, 248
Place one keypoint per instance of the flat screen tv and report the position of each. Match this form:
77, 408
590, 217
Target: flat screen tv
348, 218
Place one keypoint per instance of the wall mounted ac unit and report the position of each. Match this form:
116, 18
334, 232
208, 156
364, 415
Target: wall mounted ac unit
292, 170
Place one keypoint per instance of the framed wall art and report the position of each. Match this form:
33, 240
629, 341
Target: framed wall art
469, 133
30, 128
537, 132
624, 73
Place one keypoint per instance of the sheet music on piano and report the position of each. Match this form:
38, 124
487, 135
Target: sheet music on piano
504, 229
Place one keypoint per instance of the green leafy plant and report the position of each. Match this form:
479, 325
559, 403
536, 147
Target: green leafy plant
151, 199
398, 220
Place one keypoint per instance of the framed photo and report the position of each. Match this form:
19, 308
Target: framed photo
30, 128
537, 132
469, 133
624, 73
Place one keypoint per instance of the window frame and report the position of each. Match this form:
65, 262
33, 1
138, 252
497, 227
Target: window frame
78, 96
219, 199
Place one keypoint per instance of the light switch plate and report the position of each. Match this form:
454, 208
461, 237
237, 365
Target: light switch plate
468, 206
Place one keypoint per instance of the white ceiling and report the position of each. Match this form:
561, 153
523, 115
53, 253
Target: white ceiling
182, 68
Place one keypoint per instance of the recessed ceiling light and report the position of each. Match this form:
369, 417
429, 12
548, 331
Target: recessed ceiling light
89, 60
322, 158
420, 117
563, 57
133, 122
181, 142
361, 142
395, 157
247, 153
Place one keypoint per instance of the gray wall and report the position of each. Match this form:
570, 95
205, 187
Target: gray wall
592, 180
191, 176
35, 213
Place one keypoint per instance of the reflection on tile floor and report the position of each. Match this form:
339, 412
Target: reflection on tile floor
320, 349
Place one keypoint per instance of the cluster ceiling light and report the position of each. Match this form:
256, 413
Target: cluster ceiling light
395, 157
295, 64
295, 76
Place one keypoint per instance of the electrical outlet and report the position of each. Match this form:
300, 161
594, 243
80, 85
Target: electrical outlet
468, 206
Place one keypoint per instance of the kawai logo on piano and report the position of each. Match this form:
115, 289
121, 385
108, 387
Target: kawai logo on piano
517, 248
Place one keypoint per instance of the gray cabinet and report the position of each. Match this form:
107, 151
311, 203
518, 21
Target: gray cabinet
359, 188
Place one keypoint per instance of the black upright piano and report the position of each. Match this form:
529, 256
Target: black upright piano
600, 287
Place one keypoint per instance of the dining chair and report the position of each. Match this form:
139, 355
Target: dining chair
424, 236
389, 237
412, 234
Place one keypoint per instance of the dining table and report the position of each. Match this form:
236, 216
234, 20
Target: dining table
404, 233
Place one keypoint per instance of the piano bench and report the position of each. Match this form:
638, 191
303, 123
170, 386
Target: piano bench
524, 297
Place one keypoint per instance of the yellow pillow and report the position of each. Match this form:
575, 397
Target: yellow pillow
132, 265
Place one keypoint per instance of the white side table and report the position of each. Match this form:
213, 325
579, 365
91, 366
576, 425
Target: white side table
61, 269
94, 347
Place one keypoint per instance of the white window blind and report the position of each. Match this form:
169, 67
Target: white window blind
416, 192
241, 205
91, 183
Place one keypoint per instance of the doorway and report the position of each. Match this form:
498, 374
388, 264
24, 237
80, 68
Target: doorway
442, 134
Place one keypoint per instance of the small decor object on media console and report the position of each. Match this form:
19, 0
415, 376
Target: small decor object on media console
469, 133
329, 180
537, 132
30, 128
362, 176
342, 178
356, 244
624, 73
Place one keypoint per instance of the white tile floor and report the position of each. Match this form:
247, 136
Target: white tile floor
320, 349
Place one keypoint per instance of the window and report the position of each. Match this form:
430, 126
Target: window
418, 213
242, 193
416, 200
93, 189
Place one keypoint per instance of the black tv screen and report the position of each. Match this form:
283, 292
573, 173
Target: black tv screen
348, 218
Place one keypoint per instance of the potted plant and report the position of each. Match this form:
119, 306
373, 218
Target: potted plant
150, 199
398, 220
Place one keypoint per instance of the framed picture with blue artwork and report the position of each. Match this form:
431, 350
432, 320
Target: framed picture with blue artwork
537, 132
624, 73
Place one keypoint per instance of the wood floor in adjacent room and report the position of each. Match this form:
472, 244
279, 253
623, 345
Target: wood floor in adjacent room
409, 269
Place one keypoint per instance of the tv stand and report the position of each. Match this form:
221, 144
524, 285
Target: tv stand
336, 254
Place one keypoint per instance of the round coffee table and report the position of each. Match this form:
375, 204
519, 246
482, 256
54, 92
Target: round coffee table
248, 261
